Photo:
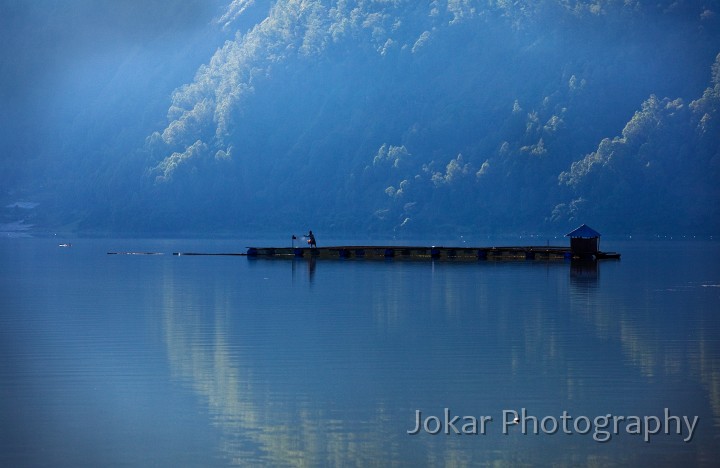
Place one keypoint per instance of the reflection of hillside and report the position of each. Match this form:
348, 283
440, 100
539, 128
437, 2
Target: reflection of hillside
328, 378
281, 420
640, 353
709, 371
257, 426
656, 349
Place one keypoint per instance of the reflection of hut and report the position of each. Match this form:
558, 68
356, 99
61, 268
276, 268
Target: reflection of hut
584, 241
584, 272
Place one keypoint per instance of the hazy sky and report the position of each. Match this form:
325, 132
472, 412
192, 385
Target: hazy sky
62, 61
45, 41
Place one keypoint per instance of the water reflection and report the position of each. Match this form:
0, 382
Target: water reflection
133, 359
243, 367
662, 333
332, 374
584, 272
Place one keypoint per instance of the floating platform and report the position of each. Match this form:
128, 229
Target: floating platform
404, 253
415, 252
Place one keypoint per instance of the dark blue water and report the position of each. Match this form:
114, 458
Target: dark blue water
214, 361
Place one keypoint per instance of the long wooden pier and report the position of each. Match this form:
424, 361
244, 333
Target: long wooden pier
584, 243
376, 252
415, 252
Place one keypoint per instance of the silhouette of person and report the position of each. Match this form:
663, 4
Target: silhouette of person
311, 239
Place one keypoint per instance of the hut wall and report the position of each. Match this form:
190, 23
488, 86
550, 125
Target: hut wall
582, 246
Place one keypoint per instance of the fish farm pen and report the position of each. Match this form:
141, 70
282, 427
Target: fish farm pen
584, 244
414, 252
375, 252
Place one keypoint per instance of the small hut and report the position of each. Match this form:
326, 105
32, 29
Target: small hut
584, 241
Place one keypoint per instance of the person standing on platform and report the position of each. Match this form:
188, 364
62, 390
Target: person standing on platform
311, 239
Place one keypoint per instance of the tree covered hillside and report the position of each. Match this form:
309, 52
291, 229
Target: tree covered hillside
407, 118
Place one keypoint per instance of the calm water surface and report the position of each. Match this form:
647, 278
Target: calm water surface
110, 360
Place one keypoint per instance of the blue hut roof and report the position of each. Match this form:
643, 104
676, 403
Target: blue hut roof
583, 231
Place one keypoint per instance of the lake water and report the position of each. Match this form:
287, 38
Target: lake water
118, 360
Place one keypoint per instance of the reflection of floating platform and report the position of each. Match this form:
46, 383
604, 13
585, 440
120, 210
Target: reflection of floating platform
415, 252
